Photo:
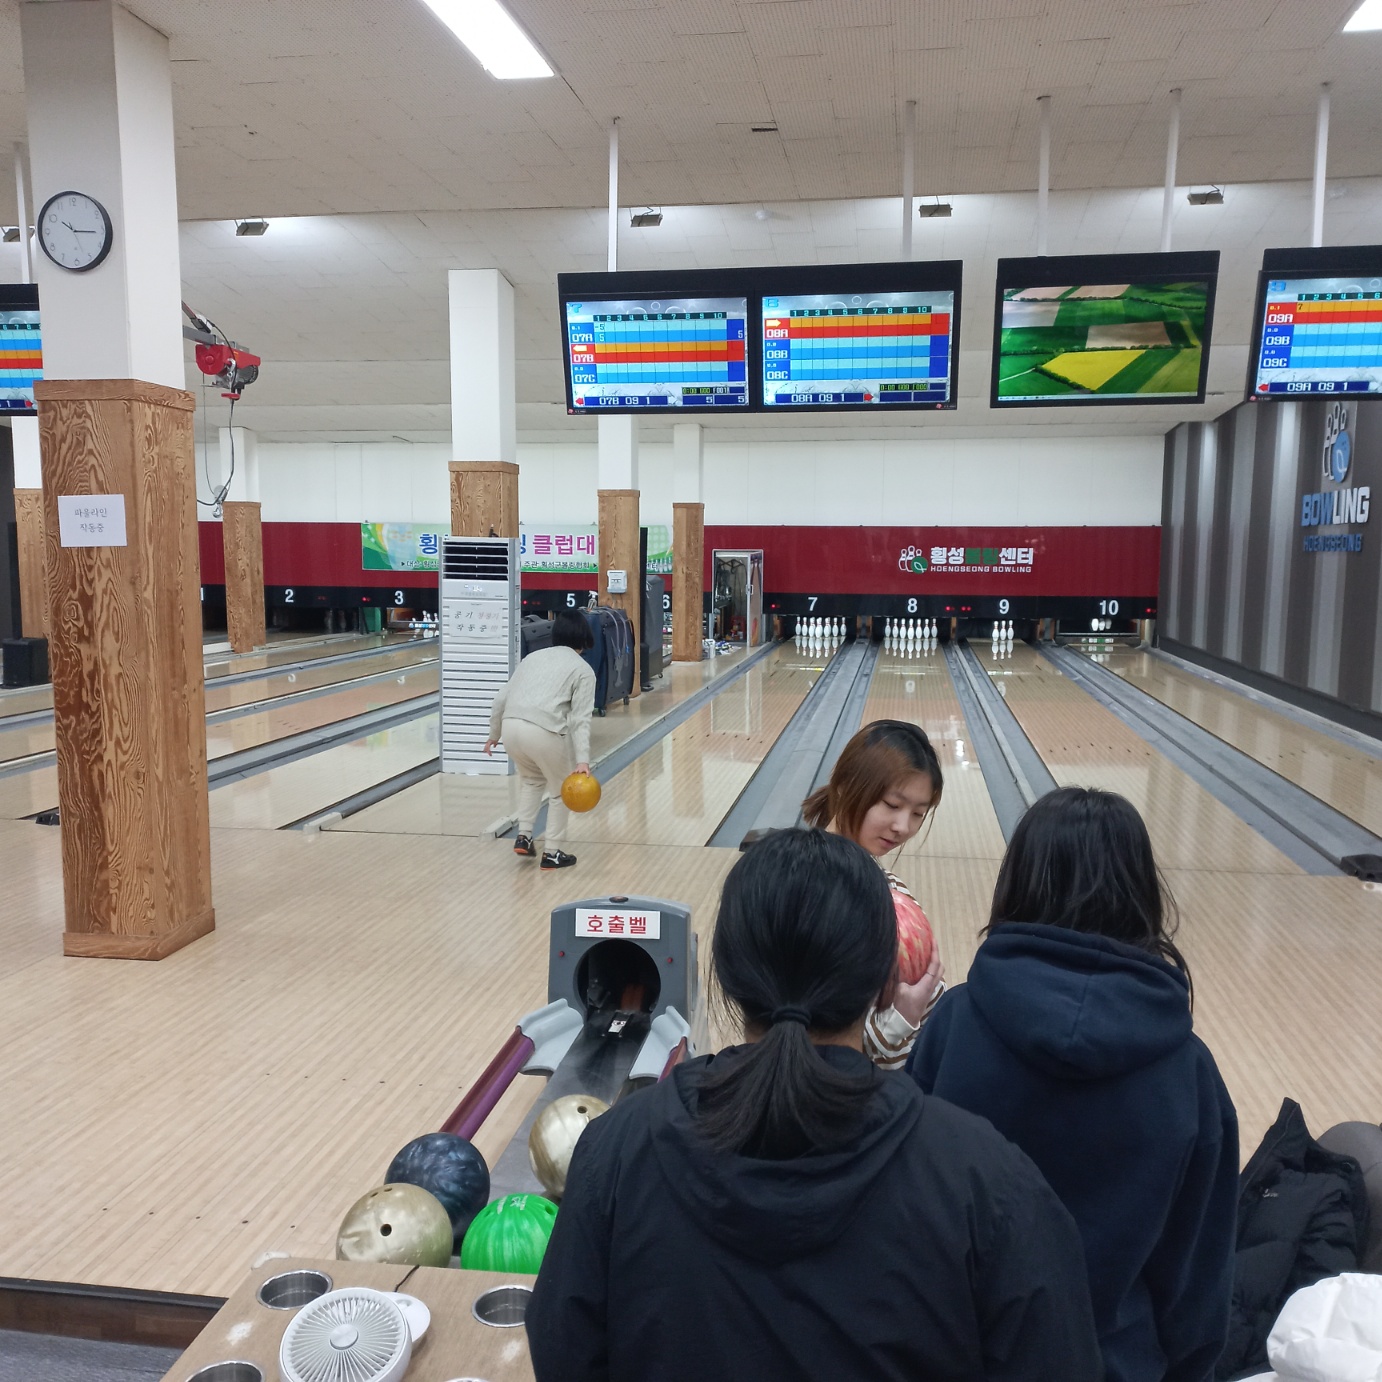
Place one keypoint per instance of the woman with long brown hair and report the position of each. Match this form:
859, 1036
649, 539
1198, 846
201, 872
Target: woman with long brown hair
883, 789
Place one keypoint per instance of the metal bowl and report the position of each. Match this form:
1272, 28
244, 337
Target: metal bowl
228, 1372
502, 1306
292, 1290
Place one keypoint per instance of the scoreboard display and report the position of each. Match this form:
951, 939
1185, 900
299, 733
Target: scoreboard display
858, 350
657, 354
1317, 323
21, 349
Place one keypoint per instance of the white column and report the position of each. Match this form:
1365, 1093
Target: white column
1168, 196
1044, 174
909, 174
1321, 161
688, 463
484, 410
99, 97
28, 473
618, 451
239, 453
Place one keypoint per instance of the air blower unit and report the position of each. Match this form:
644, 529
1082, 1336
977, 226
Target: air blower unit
480, 646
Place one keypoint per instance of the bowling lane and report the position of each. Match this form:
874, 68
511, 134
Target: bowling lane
1344, 776
454, 804
1085, 745
410, 662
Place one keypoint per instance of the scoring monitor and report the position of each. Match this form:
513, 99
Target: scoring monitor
858, 350
21, 349
653, 354
1320, 335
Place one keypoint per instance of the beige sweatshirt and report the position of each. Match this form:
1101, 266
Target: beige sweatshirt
553, 688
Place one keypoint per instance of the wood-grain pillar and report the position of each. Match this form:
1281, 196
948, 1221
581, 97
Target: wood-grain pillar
484, 499
126, 652
33, 582
243, 539
688, 581
619, 551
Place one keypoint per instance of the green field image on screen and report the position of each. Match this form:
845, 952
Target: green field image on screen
1121, 340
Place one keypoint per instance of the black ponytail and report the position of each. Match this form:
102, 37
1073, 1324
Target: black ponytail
805, 942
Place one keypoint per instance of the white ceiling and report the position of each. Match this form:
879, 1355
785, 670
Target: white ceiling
384, 155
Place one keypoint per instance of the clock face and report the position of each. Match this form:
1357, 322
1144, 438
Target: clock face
74, 231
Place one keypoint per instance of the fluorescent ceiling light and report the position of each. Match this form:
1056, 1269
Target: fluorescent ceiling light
493, 37
1367, 16
640, 220
257, 225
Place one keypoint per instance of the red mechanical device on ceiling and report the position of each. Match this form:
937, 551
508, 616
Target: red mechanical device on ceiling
227, 362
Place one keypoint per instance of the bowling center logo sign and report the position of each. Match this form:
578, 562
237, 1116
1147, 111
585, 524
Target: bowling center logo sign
1336, 507
984, 561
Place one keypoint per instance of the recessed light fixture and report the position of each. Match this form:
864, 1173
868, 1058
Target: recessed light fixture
642, 219
763, 129
935, 208
1214, 197
493, 37
256, 225
1367, 17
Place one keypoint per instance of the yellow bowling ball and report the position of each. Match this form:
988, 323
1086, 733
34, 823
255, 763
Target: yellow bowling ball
396, 1223
580, 792
554, 1136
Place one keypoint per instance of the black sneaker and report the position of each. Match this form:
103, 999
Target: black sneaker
557, 859
524, 845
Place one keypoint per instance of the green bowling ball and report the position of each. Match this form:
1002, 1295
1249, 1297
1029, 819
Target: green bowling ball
509, 1235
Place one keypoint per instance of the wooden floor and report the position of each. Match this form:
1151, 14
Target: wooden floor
169, 1124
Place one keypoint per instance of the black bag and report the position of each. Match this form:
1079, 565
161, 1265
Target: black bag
536, 632
1302, 1216
619, 658
595, 656
654, 588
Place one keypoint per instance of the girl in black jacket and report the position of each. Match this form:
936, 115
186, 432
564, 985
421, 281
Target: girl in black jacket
784, 1210
1072, 1036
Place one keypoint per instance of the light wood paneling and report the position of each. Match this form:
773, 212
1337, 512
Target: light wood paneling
484, 499
619, 551
243, 538
127, 671
1346, 776
33, 580
688, 581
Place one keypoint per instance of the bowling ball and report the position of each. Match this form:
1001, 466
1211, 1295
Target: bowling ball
509, 1235
556, 1130
451, 1169
915, 943
396, 1223
580, 792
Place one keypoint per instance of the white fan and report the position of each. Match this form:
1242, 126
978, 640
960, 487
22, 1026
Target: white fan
351, 1335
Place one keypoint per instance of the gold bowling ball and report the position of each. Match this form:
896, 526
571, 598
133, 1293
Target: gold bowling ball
554, 1136
396, 1223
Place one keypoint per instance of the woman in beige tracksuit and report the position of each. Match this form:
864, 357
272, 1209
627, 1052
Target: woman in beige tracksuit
543, 718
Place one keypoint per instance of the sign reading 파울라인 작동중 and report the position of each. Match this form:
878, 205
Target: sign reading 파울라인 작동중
1346, 506
542, 548
1016, 561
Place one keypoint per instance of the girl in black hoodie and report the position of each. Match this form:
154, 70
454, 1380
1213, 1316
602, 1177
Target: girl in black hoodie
1072, 1036
784, 1210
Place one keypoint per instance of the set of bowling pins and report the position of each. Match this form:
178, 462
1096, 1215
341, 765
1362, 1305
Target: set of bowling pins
429, 626
818, 634
910, 637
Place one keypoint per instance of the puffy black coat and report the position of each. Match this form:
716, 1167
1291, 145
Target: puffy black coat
1302, 1216
927, 1249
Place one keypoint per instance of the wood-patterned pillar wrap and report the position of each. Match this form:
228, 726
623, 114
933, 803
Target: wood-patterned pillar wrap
619, 551
243, 538
688, 581
484, 499
129, 704
33, 582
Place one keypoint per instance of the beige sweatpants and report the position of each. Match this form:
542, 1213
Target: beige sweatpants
543, 760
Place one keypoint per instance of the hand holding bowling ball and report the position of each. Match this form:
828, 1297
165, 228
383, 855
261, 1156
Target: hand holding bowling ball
580, 792
915, 943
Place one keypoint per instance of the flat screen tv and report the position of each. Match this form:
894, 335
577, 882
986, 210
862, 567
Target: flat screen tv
1102, 329
1317, 323
21, 349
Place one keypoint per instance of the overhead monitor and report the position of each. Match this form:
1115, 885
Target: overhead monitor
860, 337
661, 349
21, 350
1317, 325
1103, 329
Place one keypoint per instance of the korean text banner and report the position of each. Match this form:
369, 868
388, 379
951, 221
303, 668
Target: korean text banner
542, 547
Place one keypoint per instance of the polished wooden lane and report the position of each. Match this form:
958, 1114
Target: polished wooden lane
1344, 775
1085, 745
456, 804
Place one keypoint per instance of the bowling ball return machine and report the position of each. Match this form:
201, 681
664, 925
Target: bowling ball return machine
622, 982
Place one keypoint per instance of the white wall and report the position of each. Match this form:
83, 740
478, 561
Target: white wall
1068, 482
